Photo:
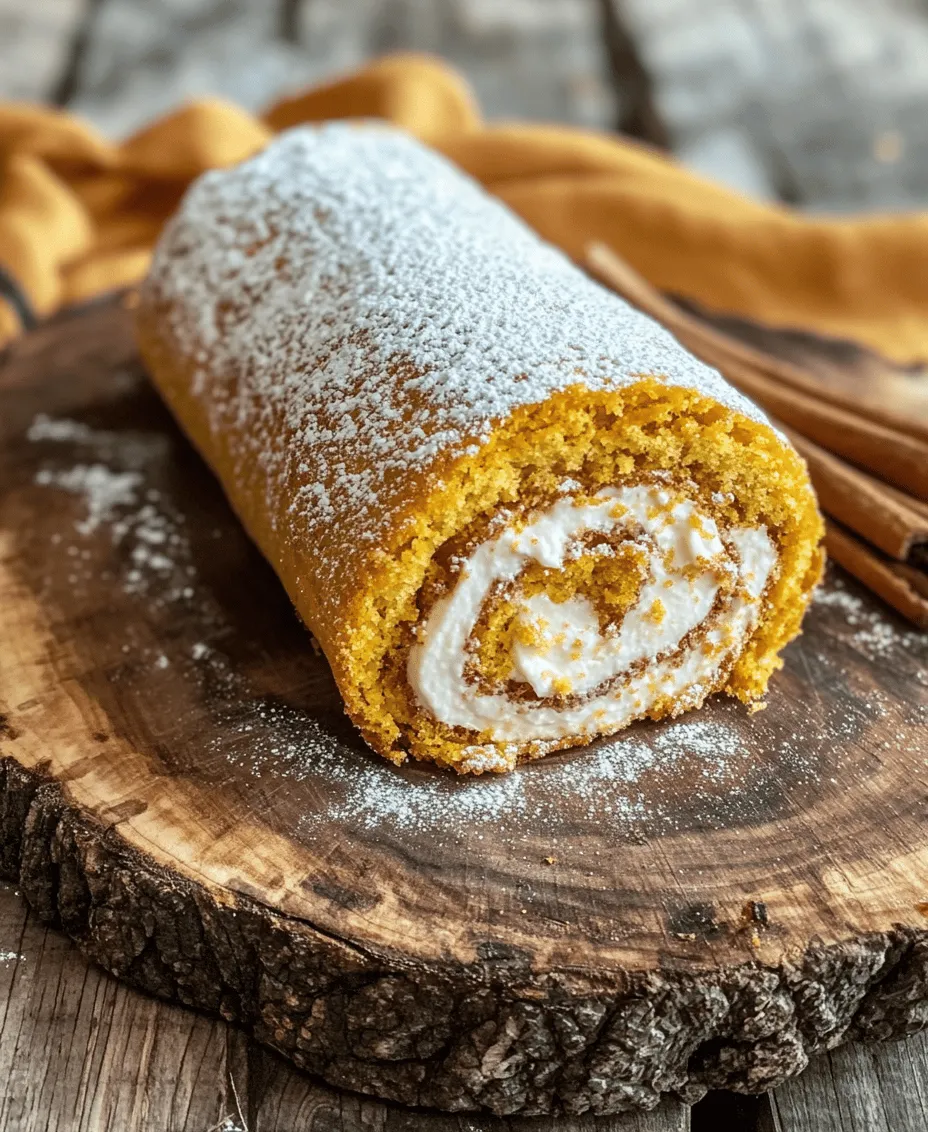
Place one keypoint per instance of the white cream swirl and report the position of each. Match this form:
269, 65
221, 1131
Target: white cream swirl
692, 571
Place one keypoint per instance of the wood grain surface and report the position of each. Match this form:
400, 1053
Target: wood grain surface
36, 46
860, 1088
541, 59
700, 904
80, 1051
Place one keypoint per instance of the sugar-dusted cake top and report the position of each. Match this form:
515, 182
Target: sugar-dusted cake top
347, 251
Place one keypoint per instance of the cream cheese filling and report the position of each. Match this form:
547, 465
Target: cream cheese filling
693, 570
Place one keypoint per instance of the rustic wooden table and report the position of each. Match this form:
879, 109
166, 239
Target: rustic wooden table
79, 1050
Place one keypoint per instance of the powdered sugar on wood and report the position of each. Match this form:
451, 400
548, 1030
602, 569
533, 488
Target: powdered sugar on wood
654, 779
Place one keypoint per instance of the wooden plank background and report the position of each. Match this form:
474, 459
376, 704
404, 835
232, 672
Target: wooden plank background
817, 102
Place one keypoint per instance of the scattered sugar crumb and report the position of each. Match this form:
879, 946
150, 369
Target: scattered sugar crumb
149, 529
231, 1124
44, 427
102, 490
876, 631
604, 782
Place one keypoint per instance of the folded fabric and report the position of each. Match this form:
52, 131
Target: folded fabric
79, 214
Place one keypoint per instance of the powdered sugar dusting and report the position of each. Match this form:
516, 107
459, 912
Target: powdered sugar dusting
102, 490
610, 786
138, 519
45, 427
871, 631
298, 281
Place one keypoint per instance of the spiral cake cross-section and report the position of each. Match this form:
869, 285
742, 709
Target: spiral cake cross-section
596, 612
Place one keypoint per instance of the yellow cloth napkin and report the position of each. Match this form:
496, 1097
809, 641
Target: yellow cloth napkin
78, 214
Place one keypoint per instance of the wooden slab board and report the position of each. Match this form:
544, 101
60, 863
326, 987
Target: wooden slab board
81, 1052
697, 904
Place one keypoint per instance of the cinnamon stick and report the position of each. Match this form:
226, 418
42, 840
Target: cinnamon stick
903, 587
889, 519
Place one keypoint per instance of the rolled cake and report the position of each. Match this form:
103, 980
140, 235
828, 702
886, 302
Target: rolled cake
515, 513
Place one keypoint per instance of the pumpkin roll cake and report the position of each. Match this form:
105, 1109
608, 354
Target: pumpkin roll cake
515, 512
